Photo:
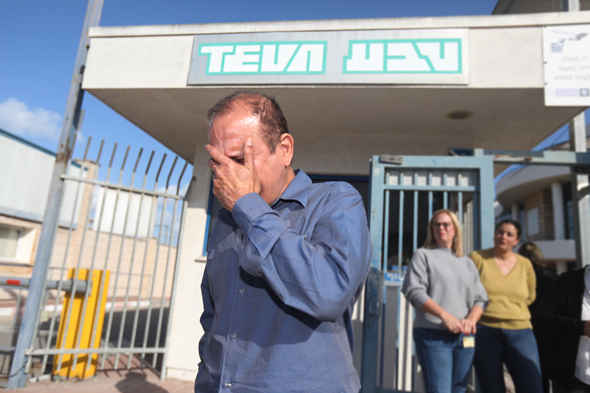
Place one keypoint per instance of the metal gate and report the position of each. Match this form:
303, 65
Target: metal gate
405, 191
120, 245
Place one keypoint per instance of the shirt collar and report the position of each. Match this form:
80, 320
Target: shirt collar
445, 249
297, 190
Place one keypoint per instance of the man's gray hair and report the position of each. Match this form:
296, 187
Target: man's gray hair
272, 120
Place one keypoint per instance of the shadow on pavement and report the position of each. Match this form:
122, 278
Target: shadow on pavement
137, 382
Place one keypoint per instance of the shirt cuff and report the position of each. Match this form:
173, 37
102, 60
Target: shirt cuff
248, 208
481, 303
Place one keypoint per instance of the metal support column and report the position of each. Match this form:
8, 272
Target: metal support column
18, 375
581, 204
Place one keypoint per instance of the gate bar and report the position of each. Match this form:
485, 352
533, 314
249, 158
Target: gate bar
79, 263
579, 162
161, 313
18, 376
545, 157
66, 252
175, 275
154, 275
51, 284
159, 242
80, 351
121, 187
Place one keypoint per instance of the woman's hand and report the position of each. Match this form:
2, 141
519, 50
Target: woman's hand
451, 322
468, 326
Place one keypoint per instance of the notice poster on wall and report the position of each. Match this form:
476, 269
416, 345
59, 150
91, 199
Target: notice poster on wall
566, 52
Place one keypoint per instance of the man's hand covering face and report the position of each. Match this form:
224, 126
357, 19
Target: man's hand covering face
232, 179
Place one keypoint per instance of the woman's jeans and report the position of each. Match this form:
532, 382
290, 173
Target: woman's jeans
517, 349
445, 363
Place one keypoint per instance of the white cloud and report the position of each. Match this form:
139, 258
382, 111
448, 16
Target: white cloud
172, 187
18, 118
80, 139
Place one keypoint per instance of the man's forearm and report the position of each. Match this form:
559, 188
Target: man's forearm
317, 272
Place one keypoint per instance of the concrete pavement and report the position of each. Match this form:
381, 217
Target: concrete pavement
122, 381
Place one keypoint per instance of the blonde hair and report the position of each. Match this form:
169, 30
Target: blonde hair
458, 240
531, 251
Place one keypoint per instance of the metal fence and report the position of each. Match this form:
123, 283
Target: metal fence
411, 199
129, 233
405, 192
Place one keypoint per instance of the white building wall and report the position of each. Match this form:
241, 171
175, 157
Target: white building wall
185, 328
25, 175
117, 213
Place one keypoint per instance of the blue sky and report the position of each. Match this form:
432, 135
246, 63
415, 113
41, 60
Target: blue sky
39, 40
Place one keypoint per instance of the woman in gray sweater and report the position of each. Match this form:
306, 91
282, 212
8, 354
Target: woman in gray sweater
443, 286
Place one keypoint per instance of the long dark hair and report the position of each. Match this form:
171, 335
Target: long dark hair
515, 224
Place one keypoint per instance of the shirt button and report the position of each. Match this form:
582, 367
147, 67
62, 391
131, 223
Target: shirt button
234, 337
242, 290
227, 385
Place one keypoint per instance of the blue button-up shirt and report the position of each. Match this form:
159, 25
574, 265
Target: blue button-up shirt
279, 289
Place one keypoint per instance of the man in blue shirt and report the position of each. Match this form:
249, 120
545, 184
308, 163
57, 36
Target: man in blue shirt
287, 261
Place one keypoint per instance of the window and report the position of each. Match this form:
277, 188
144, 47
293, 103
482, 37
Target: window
532, 221
9, 242
522, 222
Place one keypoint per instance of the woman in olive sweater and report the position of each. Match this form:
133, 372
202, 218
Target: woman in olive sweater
504, 333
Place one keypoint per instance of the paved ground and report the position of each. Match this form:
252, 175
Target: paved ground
133, 381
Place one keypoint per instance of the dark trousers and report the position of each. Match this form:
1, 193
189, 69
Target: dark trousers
517, 349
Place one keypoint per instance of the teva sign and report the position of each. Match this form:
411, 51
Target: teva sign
404, 56
265, 58
345, 57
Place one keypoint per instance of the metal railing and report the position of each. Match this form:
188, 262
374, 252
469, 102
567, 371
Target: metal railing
122, 240
405, 192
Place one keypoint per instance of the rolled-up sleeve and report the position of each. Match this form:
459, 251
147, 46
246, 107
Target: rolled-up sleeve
479, 291
318, 274
415, 285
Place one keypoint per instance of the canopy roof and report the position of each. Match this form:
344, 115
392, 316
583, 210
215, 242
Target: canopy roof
144, 72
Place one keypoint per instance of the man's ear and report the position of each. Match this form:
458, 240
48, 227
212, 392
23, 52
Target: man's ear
286, 146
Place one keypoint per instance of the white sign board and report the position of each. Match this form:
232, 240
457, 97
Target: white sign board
566, 52
432, 56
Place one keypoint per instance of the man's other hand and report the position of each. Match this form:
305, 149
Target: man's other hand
232, 180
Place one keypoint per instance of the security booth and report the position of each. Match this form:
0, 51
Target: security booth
350, 90
377, 102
